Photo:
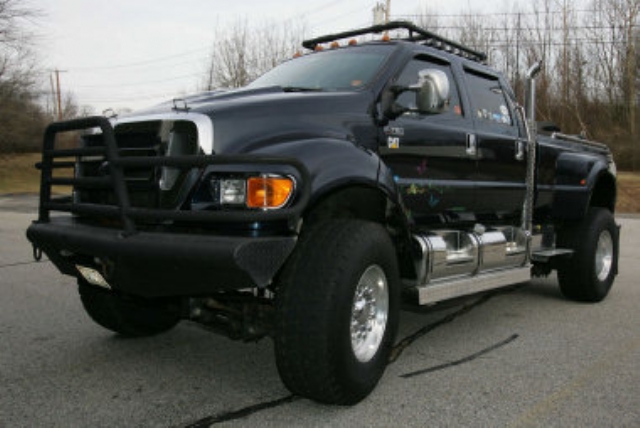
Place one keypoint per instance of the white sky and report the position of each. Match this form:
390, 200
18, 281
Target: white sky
136, 53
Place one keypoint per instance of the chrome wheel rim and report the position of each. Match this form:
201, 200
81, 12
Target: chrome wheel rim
369, 313
604, 255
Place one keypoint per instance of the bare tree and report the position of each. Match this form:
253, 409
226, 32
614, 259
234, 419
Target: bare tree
590, 82
16, 57
429, 19
241, 52
21, 117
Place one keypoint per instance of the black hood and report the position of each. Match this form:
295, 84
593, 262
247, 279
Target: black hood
247, 119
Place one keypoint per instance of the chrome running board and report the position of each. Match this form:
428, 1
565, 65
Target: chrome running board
452, 288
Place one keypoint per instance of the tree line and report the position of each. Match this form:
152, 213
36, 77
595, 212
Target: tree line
22, 118
25, 104
589, 84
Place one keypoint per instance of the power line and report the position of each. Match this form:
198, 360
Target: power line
139, 83
485, 14
507, 29
166, 58
141, 63
169, 61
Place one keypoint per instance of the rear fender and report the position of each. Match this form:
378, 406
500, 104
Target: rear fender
582, 180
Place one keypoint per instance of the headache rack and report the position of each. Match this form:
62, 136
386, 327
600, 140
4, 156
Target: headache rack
416, 34
63, 167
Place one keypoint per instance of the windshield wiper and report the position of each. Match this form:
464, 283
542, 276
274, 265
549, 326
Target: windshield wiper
300, 89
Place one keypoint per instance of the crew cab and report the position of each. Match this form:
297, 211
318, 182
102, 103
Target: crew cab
308, 204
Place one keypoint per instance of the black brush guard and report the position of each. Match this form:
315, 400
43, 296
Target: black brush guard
155, 263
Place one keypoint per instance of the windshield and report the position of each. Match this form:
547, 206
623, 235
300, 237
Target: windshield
335, 70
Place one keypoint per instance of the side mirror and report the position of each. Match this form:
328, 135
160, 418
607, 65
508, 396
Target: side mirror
431, 92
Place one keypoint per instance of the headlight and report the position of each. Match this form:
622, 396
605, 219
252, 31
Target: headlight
267, 191
232, 191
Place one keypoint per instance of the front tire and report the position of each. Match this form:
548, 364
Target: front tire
589, 274
128, 315
337, 312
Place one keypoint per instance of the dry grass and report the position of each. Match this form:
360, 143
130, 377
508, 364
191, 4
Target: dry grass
18, 175
628, 192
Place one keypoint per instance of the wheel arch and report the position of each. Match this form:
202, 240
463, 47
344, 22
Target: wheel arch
604, 192
350, 181
583, 180
369, 203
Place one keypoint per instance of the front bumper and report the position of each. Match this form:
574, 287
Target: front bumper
154, 264
159, 263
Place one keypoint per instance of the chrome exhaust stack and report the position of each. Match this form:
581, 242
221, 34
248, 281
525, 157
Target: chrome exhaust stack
529, 118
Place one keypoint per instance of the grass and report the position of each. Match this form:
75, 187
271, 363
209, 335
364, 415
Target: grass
18, 175
628, 192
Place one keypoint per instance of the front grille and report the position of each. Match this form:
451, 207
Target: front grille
141, 182
82, 178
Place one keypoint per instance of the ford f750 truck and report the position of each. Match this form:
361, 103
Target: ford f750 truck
306, 205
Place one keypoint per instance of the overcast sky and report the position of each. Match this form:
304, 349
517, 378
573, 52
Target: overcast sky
136, 53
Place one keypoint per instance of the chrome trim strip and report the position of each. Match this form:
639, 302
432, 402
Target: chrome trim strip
202, 122
472, 284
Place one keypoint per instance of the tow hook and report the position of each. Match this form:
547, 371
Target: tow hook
37, 253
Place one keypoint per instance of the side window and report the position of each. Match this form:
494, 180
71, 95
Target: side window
489, 102
409, 76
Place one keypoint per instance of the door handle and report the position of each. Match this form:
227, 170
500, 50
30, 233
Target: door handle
520, 145
472, 145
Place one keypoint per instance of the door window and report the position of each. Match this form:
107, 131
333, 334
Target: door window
490, 106
409, 76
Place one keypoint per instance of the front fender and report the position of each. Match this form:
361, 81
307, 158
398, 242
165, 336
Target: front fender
333, 164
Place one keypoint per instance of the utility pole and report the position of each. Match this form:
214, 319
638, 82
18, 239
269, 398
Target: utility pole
387, 12
381, 14
59, 96
53, 94
517, 82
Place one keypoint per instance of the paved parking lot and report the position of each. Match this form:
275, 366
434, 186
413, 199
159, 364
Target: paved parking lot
520, 357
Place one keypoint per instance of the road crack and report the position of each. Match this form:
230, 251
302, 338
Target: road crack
242, 413
8, 265
401, 346
461, 360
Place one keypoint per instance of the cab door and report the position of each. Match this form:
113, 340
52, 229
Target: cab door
500, 150
430, 155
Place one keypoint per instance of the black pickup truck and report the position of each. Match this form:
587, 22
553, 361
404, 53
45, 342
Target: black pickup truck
308, 204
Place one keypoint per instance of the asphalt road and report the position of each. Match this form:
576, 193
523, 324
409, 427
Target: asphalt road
521, 357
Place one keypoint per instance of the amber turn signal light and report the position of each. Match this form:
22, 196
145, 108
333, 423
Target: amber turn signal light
268, 192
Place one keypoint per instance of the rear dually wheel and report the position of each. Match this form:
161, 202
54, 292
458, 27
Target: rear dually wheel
589, 274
